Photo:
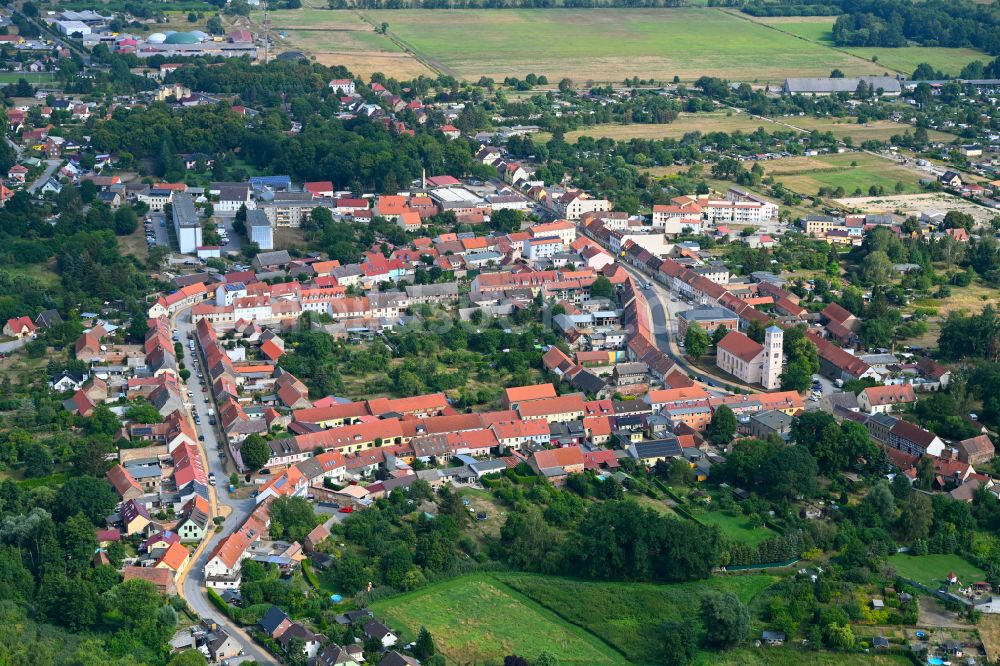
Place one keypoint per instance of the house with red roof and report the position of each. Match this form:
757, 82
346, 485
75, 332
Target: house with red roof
19, 327
884, 399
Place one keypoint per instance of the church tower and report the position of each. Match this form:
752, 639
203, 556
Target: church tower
770, 376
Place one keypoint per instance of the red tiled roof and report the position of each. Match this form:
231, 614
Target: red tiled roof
740, 346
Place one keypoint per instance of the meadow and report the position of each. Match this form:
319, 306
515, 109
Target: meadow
901, 60
930, 570
806, 175
736, 526
631, 614
475, 619
727, 121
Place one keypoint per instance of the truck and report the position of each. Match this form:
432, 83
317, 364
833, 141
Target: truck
211, 412
839, 383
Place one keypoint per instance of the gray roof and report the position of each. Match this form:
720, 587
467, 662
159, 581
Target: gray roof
276, 258
257, 218
848, 84
774, 419
706, 313
183, 210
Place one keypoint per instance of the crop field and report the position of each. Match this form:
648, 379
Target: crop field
475, 619
930, 570
343, 38
726, 121
630, 613
594, 45
807, 174
819, 29
792, 656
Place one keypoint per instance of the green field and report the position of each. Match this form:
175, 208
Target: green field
34, 79
931, 570
903, 60
628, 615
736, 527
610, 44
806, 175
475, 619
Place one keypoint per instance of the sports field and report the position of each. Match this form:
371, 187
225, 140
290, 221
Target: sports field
931, 570
806, 175
475, 619
902, 60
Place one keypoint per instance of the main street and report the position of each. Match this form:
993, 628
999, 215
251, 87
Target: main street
239, 509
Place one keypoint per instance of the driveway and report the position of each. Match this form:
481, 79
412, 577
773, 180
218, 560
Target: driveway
239, 508
12, 345
50, 168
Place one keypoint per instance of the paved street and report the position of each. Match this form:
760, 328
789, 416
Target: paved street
240, 509
11, 345
661, 311
50, 168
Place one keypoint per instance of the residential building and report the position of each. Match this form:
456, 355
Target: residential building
187, 226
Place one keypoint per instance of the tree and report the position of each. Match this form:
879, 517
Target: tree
915, 517
602, 288
725, 618
797, 376
720, 332
696, 341
88, 495
254, 452
37, 460
424, 647
723, 426
292, 518
678, 643
880, 502
876, 268
565, 85
188, 658
756, 331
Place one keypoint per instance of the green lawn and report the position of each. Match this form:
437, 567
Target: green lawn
475, 619
931, 570
628, 615
14, 77
609, 44
737, 527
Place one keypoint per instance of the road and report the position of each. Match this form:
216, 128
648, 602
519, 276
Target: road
660, 318
50, 168
193, 584
12, 345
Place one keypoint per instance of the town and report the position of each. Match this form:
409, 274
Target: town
306, 367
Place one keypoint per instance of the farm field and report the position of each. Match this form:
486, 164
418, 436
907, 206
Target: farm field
880, 130
819, 29
343, 38
610, 44
475, 619
930, 570
807, 174
736, 527
630, 612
